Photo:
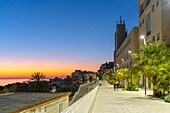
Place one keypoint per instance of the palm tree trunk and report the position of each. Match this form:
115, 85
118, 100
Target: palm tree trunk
154, 86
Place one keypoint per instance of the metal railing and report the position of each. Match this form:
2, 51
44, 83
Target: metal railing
83, 104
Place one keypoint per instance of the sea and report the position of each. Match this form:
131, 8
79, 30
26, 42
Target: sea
4, 82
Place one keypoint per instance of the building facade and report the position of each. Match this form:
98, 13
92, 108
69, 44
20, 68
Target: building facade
129, 46
154, 24
106, 68
154, 21
84, 76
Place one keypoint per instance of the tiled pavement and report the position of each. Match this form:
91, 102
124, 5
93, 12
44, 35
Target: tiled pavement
110, 101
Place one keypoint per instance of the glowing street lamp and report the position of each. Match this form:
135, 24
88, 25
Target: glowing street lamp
122, 62
144, 40
117, 65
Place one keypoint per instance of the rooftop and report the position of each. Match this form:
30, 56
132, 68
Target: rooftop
16, 101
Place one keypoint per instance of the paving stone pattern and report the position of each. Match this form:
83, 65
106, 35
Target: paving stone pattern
110, 101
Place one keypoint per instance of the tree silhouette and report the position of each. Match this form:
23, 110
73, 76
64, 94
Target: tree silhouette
37, 76
37, 84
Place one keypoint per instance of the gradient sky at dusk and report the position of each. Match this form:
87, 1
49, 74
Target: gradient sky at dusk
58, 36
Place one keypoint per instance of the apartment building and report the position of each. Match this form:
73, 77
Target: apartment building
154, 21
154, 24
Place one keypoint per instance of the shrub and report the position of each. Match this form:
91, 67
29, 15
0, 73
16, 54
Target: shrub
167, 98
133, 88
5, 90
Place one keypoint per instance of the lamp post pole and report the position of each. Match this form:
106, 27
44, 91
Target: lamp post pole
130, 52
144, 42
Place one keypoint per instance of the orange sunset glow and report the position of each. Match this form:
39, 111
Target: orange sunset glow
11, 69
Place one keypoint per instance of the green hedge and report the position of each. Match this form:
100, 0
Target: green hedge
167, 98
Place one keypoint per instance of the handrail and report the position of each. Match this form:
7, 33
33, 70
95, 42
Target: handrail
83, 104
83, 85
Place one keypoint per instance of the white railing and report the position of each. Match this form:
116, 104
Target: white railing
81, 86
83, 104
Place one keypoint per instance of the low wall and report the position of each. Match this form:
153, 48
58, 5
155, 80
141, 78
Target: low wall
54, 105
83, 104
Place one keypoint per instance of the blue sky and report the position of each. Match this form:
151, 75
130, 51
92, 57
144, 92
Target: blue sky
62, 31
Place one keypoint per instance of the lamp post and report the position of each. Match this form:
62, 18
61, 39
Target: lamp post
130, 52
114, 69
144, 42
117, 66
122, 62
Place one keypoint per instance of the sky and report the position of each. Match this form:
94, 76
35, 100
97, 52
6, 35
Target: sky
57, 37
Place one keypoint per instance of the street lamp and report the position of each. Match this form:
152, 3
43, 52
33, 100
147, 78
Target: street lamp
117, 66
130, 52
122, 62
114, 69
144, 42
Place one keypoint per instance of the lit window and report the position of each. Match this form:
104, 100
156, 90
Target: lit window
153, 7
158, 36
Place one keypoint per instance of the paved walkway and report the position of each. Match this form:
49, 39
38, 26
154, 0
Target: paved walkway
110, 101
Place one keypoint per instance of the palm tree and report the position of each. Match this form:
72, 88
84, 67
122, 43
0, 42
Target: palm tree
149, 63
110, 78
37, 76
164, 77
36, 85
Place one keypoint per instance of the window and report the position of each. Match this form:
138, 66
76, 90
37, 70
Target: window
153, 7
153, 39
148, 1
148, 24
142, 21
157, 2
142, 8
158, 36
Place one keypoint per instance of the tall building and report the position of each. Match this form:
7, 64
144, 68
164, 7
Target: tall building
120, 36
120, 33
129, 46
154, 24
154, 21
